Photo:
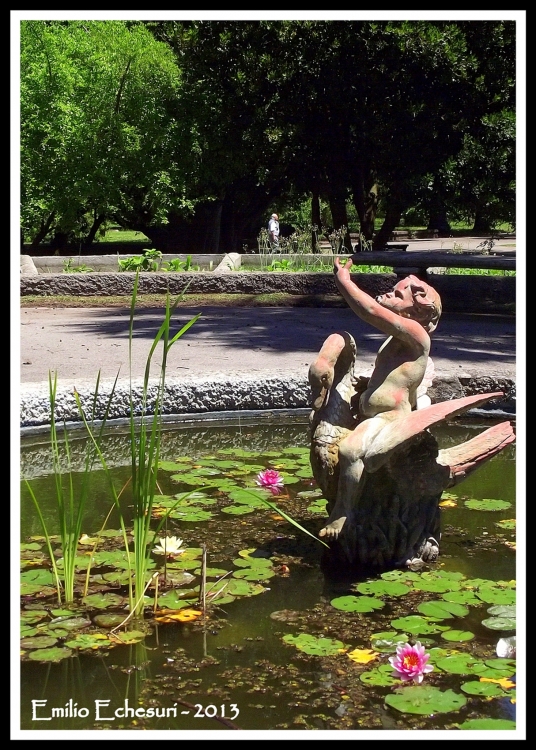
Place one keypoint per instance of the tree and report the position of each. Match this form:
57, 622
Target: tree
96, 129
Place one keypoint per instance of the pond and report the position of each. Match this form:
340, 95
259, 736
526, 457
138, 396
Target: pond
282, 646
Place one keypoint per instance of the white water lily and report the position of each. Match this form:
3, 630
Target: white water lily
168, 545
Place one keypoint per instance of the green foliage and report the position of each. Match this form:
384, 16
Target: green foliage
149, 261
176, 264
68, 267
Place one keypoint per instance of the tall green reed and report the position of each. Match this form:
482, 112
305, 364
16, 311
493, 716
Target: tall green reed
71, 499
145, 445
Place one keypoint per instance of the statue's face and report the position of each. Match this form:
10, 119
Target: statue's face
401, 299
413, 298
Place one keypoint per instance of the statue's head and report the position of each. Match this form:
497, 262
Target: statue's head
413, 298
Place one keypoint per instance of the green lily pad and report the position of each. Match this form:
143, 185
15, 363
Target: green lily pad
484, 724
105, 620
461, 597
357, 603
38, 576
253, 497
253, 562
383, 588
238, 510
509, 523
496, 595
418, 625
192, 514
388, 641
310, 644
442, 609
130, 636
379, 677
91, 641
30, 616
253, 574
31, 546
506, 665
177, 465
500, 623
461, 664
319, 506
503, 610
53, 654
38, 641
238, 587
425, 700
103, 601
172, 600
69, 623
487, 504
437, 585
459, 636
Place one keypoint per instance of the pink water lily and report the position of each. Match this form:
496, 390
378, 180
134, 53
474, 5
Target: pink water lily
271, 479
410, 662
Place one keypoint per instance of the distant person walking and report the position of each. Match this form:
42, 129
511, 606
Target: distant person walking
273, 232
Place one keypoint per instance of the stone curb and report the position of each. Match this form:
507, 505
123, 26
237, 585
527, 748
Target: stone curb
223, 393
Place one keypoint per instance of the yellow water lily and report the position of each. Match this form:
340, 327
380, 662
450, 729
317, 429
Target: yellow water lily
363, 655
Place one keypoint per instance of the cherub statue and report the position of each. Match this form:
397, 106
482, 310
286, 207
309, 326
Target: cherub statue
372, 453
407, 315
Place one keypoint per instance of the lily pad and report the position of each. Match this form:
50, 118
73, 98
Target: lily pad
383, 588
38, 641
508, 523
484, 724
103, 601
379, 677
191, 515
500, 623
459, 636
130, 636
243, 588
418, 625
254, 574
461, 664
388, 641
91, 641
496, 595
105, 620
53, 654
310, 644
357, 603
487, 504
238, 510
461, 597
442, 609
172, 600
425, 700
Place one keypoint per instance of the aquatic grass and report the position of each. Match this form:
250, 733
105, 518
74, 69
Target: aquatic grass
145, 444
70, 501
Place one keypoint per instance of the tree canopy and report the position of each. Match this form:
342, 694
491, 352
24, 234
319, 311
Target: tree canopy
192, 131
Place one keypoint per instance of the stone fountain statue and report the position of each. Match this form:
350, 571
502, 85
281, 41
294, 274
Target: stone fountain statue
372, 452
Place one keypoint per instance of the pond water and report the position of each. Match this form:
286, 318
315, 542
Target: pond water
283, 647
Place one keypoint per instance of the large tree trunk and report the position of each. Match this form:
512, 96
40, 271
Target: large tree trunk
393, 215
90, 238
481, 225
365, 199
337, 204
316, 220
43, 231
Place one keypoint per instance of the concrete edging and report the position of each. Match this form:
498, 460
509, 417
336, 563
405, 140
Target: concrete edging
200, 395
